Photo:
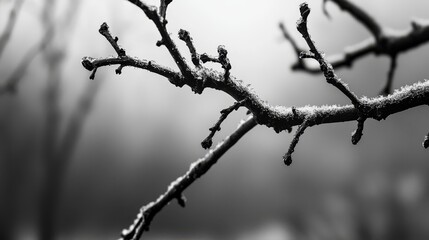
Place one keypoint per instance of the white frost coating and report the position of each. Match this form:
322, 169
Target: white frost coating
174, 183
242, 121
194, 164
399, 93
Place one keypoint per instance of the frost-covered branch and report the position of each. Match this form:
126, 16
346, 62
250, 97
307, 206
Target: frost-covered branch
280, 118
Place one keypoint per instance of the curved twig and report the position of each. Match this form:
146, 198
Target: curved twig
176, 188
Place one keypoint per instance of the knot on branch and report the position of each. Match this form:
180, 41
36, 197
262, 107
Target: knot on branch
87, 63
301, 24
186, 37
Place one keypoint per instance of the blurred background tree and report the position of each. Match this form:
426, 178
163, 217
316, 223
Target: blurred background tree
69, 171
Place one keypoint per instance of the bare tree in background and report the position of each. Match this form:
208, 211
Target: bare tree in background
57, 146
199, 77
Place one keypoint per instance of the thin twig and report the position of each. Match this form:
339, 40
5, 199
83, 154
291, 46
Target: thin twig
186, 37
388, 85
104, 30
176, 188
208, 141
357, 134
325, 66
295, 47
287, 158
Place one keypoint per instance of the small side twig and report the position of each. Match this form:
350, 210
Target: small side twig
387, 89
104, 30
325, 66
287, 158
186, 37
357, 134
175, 190
208, 141
152, 14
222, 59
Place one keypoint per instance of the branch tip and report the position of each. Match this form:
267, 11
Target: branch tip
357, 134
425, 143
181, 200
92, 76
87, 63
119, 69
104, 30
207, 142
159, 43
287, 158
186, 37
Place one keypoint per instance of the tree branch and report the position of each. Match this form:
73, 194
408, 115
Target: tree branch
279, 118
176, 188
